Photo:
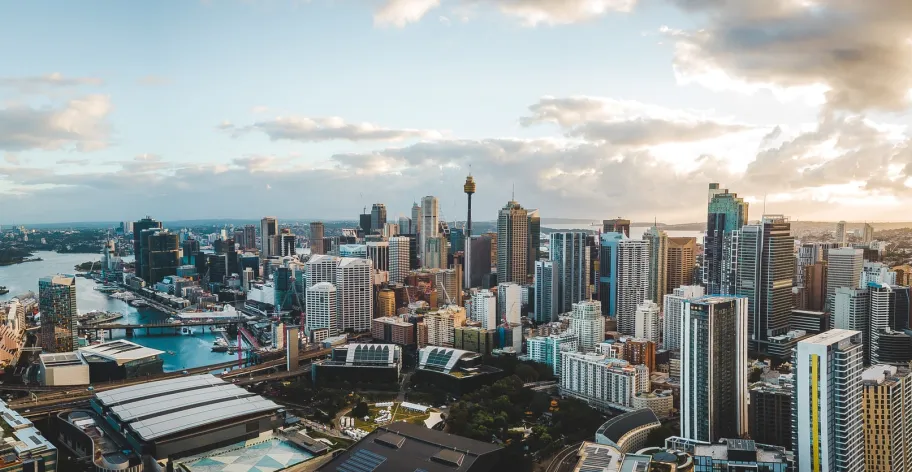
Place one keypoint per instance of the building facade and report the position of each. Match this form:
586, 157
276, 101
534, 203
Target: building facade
600, 381
887, 406
674, 314
681, 261
512, 243
588, 324
726, 213
570, 256
546, 292
844, 267
57, 305
648, 323
658, 264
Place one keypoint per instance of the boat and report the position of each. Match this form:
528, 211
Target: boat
138, 303
187, 330
3, 290
220, 345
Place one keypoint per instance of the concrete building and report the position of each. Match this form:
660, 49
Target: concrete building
639, 351
484, 309
844, 267
24, 448
360, 363
316, 238
321, 309
393, 330
380, 254
378, 216
546, 292
674, 314
269, 228
813, 292
841, 233
475, 339
658, 264
867, 234
512, 243
876, 273
887, 406
354, 294
602, 382
441, 325
120, 360
726, 213
770, 413
648, 322
437, 249
714, 368
509, 303
428, 215
680, 262
628, 432
588, 324
617, 225
399, 257
57, 306
480, 250
632, 282
827, 402
454, 370
548, 349
285, 243
62, 369
660, 402
569, 255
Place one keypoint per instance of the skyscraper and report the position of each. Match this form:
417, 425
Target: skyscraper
843, 270
534, 240
321, 301
378, 216
480, 256
546, 292
249, 237
354, 291
827, 403
269, 228
57, 305
484, 309
436, 254
138, 228
416, 221
364, 222
617, 225
887, 406
647, 321
841, 233
570, 256
512, 243
398, 259
658, 264
632, 281
429, 213
868, 236
509, 303
587, 322
714, 369
162, 254
726, 213
766, 268
674, 314
379, 254
285, 243
316, 238
682, 258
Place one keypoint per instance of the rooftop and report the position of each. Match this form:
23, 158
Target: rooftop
615, 428
829, 337
598, 458
62, 359
120, 351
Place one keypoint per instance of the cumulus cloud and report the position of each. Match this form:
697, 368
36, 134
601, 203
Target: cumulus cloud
626, 123
80, 124
38, 84
530, 12
855, 53
307, 129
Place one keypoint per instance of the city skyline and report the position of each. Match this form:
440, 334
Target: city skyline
617, 106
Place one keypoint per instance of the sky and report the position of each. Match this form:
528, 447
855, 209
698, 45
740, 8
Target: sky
581, 108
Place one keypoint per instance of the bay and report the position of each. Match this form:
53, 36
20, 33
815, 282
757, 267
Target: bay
189, 351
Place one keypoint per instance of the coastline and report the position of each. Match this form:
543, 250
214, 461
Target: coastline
23, 261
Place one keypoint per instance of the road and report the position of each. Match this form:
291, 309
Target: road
566, 458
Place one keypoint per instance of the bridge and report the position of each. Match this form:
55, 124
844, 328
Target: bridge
108, 326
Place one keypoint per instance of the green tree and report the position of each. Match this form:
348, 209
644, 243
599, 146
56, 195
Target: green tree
361, 410
526, 372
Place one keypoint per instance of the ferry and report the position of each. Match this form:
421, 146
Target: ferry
220, 345
3, 290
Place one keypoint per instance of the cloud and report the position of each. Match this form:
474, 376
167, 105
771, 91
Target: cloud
306, 129
853, 54
626, 123
80, 124
12, 158
153, 81
530, 12
39, 84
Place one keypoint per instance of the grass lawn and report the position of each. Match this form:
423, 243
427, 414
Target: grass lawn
399, 414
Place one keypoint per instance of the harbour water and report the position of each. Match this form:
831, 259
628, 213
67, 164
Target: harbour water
189, 351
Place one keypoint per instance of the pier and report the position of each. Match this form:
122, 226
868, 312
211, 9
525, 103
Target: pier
163, 328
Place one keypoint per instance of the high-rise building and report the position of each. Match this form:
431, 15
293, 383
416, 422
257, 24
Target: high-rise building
162, 255
841, 233
887, 407
828, 431
548, 349
405, 225
509, 303
770, 414
647, 324
441, 325
658, 264
354, 290
674, 314
714, 368
640, 351
844, 267
766, 268
417, 221
138, 228
602, 382
570, 255
379, 254
587, 322
484, 309
887, 340
534, 226
512, 243
813, 292
868, 234
436, 253
321, 269
269, 229
321, 301
250, 237
364, 222
430, 224
378, 216
617, 225
546, 288
285, 243
726, 213
386, 303
876, 273
681, 261
632, 281
57, 305
398, 259
480, 258
189, 250
316, 238
238, 237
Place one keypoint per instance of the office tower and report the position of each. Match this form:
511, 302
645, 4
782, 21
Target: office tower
658, 264
430, 224
378, 216
189, 250
851, 311
163, 255
354, 291
766, 268
269, 229
484, 309
844, 267
647, 324
57, 305
546, 292
316, 238
632, 281
876, 273
726, 213
512, 243
321, 269
285, 243
436, 254
770, 414
283, 289
886, 340
250, 237
813, 292
509, 303
238, 237
398, 259
714, 368
841, 233
674, 314
247, 279
417, 221
607, 282
534, 225
479, 258
828, 431
868, 234
146, 223
321, 309
379, 254
469, 189
229, 249
570, 256
364, 223
887, 407
680, 262
617, 225
587, 322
